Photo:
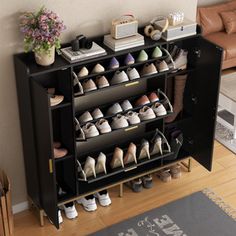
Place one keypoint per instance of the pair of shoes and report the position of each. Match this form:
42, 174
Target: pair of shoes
120, 160
87, 116
143, 56
121, 76
122, 121
89, 85
89, 202
148, 113
144, 100
58, 151
92, 130
70, 211
54, 99
98, 68
91, 168
167, 174
138, 184
117, 108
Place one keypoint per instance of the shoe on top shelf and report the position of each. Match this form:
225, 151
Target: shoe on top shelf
89, 85
143, 56
119, 77
114, 63
90, 130
102, 82
132, 73
98, 68
156, 53
83, 72
129, 60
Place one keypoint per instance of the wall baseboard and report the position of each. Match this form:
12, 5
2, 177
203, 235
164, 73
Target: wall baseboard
20, 207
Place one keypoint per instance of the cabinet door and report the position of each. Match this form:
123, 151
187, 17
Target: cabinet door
206, 90
44, 140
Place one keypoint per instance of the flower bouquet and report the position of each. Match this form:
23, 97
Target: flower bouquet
41, 31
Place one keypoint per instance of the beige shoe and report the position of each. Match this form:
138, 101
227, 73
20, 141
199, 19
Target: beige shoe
117, 159
89, 85
130, 155
148, 69
59, 152
102, 82
83, 72
175, 171
162, 66
164, 175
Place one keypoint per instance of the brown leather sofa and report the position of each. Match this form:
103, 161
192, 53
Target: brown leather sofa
213, 29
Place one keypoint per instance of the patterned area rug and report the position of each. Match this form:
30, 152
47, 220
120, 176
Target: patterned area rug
200, 214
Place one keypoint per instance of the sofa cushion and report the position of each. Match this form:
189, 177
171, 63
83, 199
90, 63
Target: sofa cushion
226, 41
210, 18
229, 20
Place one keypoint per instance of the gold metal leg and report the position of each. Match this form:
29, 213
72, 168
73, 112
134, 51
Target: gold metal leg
121, 190
41, 217
189, 165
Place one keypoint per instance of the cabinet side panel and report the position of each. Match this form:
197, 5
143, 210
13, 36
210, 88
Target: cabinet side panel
27, 133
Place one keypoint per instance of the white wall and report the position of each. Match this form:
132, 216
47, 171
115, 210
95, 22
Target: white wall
89, 17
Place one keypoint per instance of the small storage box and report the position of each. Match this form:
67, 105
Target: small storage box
186, 28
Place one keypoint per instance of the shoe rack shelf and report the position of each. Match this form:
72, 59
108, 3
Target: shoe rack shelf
42, 124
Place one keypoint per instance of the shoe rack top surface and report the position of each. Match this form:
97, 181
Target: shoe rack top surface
32, 69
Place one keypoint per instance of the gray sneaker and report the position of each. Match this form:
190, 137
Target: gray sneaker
119, 77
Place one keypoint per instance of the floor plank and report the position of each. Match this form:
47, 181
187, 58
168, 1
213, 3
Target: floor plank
222, 180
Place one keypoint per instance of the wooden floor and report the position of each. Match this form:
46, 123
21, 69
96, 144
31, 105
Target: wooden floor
222, 180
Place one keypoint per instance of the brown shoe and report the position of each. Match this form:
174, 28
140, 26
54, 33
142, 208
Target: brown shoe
59, 152
153, 97
175, 171
164, 175
142, 101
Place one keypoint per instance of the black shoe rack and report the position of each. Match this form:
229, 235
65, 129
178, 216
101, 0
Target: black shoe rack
42, 124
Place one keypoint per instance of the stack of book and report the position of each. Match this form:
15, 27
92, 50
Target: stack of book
124, 43
83, 54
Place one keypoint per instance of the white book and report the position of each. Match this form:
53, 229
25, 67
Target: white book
121, 42
83, 54
124, 47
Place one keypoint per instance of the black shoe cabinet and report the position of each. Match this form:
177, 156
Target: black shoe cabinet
42, 124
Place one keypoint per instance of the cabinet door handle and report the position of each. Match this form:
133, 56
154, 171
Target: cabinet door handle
130, 168
131, 128
132, 84
50, 166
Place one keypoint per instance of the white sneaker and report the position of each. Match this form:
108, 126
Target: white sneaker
85, 117
119, 77
90, 130
133, 117
60, 219
98, 68
159, 109
119, 122
104, 199
103, 126
114, 109
70, 212
97, 113
126, 105
88, 204
132, 73
146, 113
83, 72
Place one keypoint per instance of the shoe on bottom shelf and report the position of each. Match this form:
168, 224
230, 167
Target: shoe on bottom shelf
136, 185
70, 211
175, 171
103, 198
60, 219
88, 203
147, 181
164, 175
